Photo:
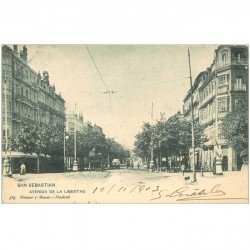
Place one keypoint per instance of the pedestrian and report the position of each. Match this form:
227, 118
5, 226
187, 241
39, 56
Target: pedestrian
183, 168
132, 164
138, 165
202, 168
244, 165
128, 164
22, 169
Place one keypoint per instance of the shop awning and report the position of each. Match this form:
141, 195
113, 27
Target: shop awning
16, 154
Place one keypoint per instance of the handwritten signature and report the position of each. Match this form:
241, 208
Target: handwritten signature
185, 194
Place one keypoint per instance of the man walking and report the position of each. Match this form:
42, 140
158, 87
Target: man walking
183, 168
22, 169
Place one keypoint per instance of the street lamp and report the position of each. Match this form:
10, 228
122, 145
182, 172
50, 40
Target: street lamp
6, 163
75, 164
65, 137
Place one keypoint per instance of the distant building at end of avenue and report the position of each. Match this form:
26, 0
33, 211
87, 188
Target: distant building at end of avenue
216, 92
75, 120
31, 99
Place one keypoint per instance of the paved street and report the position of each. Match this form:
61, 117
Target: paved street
126, 186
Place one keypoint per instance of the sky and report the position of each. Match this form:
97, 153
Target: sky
138, 74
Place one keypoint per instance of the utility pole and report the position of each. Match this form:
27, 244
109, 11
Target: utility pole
192, 117
75, 164
64, 149
6, 164
152, 142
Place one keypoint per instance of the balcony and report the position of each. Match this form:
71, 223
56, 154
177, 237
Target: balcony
20, 118
23, 99
242, 87
223, 89
208, 98
208, 120
222, 114
16, 116
242, 61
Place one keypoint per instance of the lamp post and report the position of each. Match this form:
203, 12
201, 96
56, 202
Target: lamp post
75, 164
6, 163
65, 137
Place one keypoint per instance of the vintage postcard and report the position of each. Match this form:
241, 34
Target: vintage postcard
124, 123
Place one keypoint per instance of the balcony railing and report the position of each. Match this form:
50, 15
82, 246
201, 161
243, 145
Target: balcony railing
242, 61
24, 99
222, 114
243, 87
19, 118
208, 97
223, 89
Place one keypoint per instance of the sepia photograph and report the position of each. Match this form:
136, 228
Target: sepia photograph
125, 123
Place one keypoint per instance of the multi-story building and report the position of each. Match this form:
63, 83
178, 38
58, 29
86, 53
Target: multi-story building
30, 97
218, 89
73, 120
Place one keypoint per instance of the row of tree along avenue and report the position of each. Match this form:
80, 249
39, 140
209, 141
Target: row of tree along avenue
46, 146
235, 128
171, 139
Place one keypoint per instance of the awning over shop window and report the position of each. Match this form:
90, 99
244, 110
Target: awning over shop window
16, 154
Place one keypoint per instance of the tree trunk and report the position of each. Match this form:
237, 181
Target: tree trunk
160, 163
38, 164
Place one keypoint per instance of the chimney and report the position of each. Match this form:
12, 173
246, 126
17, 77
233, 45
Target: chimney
15, 48
24, 53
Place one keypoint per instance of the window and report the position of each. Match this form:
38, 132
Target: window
223, 105
222, 80
235, 103
220, 132
15, 67
224, 58
239, 85
238, 58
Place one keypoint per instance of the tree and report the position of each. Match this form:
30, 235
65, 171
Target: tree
115, 150
235, 126
143, 139
30, 139
171, 137
37, 139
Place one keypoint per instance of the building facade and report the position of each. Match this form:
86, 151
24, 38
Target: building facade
30, 97
216, 92
75, 120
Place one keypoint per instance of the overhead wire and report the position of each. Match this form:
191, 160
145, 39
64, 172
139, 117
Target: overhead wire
105, 84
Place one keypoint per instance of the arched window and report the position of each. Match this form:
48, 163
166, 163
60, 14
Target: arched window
224, 57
